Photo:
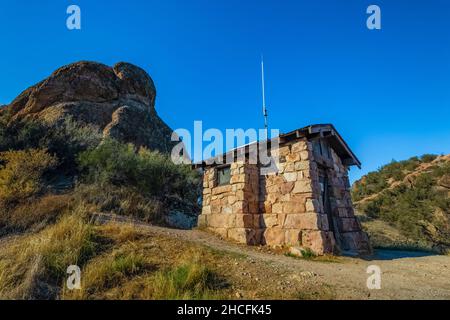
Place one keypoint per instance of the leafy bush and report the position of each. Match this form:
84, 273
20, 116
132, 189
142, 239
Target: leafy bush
5, 117
427, 158
111, 163
22, 172
65, 139
307, 253
69, 139
20, 134
151, 174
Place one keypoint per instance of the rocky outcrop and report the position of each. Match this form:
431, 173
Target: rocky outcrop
119, 100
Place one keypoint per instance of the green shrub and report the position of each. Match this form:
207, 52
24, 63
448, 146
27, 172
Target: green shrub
110, 163
21, 134
308, 253
65, 139
69, 139
426, 158
151, 174
5, 117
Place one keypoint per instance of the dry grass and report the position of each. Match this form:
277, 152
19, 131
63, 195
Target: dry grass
117, 261
34, 213
187, 280
119, 233
120, 261
108, 271
120, 200
34, 266
135, 267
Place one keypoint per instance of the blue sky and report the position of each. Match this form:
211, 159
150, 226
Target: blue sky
386, 91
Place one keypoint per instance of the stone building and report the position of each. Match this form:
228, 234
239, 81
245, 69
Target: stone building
305, 203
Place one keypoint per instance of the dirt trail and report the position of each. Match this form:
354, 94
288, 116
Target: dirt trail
405, 275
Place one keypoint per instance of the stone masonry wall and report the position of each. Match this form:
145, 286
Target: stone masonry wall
289, 202
352, 237
232, 210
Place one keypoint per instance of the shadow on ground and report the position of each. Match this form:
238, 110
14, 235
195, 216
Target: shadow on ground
389, 254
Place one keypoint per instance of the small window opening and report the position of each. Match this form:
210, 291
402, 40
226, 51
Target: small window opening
223, 176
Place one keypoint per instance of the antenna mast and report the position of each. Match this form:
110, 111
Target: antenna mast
266, 125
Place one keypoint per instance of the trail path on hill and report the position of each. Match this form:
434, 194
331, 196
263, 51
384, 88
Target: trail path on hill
421, 169
405, 275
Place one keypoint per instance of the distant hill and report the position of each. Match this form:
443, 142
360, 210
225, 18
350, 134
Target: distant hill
407, 203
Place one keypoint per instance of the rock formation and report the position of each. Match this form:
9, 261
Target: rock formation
119, 100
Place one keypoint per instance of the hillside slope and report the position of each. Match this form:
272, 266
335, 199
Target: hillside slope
407, 203
92, 130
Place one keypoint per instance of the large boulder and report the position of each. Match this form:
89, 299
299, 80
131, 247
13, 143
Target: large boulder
119, 100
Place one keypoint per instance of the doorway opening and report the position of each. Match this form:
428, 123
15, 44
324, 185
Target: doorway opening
325, 199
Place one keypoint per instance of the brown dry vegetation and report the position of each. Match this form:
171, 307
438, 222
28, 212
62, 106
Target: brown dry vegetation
33, 214
119, 261
21, 173
32, 266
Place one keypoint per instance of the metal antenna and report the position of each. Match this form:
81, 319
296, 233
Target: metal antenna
266, 125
